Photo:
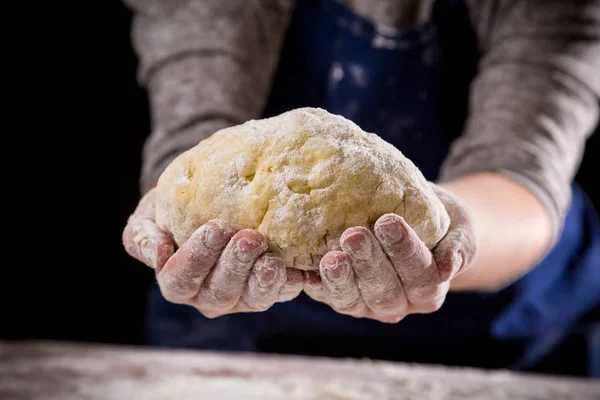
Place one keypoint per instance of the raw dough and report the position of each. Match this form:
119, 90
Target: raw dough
301, 178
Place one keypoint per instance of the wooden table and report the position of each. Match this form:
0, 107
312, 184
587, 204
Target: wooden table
58, 370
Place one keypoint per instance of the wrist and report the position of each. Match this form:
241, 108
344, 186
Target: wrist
510, 225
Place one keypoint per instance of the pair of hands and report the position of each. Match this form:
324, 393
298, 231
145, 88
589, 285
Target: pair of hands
383, 276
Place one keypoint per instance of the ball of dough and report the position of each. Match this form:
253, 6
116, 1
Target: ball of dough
300, 178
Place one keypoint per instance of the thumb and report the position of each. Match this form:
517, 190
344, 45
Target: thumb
143, 239
457, 250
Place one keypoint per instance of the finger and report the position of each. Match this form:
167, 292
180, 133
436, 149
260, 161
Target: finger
378, 281
146, 242
293, 285
457, 250
433, 301
313, 286
143, 239
267, 277
182, 276
146, 207
225, 284
411, 259
338, 278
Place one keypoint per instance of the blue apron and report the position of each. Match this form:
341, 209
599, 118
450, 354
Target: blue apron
411, 88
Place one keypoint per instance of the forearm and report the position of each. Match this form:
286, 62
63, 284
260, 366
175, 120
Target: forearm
511, 226
533, 104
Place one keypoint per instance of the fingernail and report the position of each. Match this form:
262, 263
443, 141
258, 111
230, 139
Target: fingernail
164, 252
149, 253
140, 240
247, 250
457, 261
449, 265
215, 238
391, 231
334, 270
266, 276
359, 245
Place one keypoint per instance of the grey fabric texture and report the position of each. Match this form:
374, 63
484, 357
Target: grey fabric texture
209, 64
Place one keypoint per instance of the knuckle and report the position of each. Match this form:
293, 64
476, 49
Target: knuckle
171, 294
196, 258
351, 307
174, 287
386, 304
425, 292
218, 292
256, 307
431, 306
187, 259
415, 253
258, 303
430, 298
261, 295
219, 298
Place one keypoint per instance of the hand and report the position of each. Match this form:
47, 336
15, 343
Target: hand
217, 270
391, 274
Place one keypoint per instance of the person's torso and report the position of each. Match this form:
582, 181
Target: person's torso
401, 70
402, 74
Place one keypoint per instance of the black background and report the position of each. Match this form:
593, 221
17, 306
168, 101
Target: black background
76, 282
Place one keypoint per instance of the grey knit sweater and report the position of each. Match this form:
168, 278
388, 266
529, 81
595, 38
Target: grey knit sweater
208, 64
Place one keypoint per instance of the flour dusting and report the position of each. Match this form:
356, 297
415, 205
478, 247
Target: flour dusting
301, 178
66, 371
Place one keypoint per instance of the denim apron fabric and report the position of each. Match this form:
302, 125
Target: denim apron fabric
411, 88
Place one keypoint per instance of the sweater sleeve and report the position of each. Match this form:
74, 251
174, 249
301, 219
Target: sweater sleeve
534, 101
206, 65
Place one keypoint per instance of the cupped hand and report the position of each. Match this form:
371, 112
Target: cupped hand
391, 273
217, 270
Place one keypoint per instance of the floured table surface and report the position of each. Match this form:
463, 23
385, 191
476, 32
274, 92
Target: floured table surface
52, 371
